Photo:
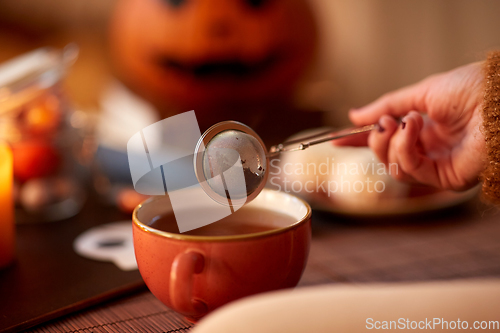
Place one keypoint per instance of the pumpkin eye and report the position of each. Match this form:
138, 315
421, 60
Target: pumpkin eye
175, 3
256, 3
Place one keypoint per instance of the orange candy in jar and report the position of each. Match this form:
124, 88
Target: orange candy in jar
35, 119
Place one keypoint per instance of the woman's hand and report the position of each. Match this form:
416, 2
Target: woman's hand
439, 140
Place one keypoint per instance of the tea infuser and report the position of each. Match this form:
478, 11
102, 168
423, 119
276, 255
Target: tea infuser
228, 147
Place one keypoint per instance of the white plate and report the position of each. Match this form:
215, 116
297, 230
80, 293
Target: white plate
399, 206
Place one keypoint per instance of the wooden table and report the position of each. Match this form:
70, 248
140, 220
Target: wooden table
462, 242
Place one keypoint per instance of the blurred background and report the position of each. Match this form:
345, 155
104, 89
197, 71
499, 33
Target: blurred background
366, 47
271, 64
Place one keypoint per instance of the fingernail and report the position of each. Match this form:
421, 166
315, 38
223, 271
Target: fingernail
403, 124
380, 128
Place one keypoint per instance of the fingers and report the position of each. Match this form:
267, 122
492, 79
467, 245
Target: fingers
406, 161
398, 146
405, 143
379, 140
396, 104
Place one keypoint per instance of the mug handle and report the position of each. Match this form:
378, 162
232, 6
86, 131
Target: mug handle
184, 267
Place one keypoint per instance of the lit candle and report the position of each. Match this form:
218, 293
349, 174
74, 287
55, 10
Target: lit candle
6, 207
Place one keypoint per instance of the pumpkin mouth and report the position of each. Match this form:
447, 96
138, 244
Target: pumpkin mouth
215, 69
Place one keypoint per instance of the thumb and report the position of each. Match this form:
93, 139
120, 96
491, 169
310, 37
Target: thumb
397, 104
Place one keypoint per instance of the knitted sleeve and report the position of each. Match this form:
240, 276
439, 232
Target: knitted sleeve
491, 128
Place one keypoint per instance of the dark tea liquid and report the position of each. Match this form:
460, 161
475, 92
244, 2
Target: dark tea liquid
246, 220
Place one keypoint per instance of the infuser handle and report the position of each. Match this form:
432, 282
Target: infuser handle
304, 143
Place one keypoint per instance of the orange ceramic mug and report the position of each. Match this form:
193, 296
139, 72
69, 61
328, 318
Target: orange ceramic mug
194, 275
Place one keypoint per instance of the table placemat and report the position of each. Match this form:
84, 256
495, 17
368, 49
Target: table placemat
48, 279
463, 242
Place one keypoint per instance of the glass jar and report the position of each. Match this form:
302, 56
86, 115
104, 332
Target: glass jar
36, 119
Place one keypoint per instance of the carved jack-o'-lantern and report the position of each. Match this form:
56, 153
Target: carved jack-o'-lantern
212, 55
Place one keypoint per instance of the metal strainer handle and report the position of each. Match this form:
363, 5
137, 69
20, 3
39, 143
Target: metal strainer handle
304, 143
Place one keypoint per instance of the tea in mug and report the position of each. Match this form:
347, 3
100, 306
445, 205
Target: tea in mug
246, 220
